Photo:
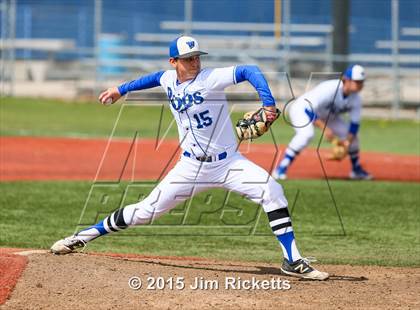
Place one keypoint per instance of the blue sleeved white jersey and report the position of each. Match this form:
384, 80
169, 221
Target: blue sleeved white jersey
200, 107
201, 111
328, 97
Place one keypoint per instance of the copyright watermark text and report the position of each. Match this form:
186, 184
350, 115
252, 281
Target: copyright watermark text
201, 283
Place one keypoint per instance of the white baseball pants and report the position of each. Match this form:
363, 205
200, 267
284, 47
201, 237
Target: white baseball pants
189, 177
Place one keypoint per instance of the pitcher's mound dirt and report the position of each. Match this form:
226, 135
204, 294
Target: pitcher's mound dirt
81, 281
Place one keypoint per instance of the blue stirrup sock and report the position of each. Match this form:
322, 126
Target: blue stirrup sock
289, 157
288, 245
354, 159
113, 222
281, 226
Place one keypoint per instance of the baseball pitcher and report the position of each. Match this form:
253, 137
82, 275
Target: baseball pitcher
209, 156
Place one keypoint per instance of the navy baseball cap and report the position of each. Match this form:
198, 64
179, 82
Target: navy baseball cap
184, 47
355, 73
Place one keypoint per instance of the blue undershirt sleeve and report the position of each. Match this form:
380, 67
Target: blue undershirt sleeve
253, 75
354, 128
144, 82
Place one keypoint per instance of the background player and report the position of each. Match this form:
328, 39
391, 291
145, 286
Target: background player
209, 152
323, 106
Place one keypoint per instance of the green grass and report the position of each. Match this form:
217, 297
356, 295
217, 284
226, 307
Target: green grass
42, 117
381, 221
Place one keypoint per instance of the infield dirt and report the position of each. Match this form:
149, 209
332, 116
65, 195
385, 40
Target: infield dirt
87, 281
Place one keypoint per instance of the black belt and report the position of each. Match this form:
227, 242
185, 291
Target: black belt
206, 158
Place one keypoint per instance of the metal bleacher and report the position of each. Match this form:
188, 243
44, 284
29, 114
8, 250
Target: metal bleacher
46, 45
407, 44
50, 47
244, 42
300, 48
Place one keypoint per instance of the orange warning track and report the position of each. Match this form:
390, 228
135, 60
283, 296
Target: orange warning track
34, 158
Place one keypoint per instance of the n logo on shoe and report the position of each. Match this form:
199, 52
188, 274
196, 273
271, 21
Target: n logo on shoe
301, 268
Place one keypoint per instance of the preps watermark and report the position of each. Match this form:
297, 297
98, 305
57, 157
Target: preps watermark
201, 283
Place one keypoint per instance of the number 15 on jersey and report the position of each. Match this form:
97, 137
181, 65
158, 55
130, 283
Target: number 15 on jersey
203, 119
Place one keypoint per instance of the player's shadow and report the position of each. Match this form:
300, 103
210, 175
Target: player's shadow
261, 270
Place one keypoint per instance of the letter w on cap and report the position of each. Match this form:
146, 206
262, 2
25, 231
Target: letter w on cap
191, 44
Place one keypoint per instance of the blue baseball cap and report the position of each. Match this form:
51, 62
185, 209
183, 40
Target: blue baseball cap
184, 47
355, 73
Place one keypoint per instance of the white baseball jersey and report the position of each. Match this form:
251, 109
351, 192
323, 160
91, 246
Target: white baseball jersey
326, 101
328, 96
201, 111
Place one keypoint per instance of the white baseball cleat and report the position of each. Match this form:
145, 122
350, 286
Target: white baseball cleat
67, 245
282, 176
302, 269
278, 176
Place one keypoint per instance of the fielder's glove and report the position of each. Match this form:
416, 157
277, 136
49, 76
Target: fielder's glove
255, 124
339, 149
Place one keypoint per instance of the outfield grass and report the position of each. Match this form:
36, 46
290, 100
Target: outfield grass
381, 222
42, 117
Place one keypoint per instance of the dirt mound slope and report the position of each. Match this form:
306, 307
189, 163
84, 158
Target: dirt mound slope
86, 281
